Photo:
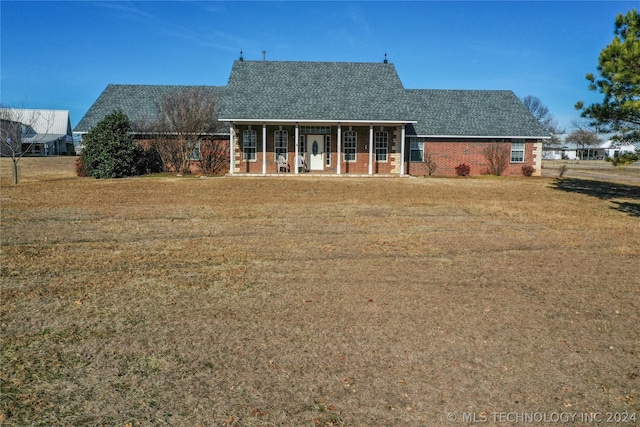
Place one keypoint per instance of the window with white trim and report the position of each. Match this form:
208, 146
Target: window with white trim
249, 145
327, 149
381, 140
281, 142
416, 150
195, 155
517, 151
350, 145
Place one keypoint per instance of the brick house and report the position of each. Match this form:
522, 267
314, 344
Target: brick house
349, 118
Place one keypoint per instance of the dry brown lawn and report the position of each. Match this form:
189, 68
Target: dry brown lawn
315, 301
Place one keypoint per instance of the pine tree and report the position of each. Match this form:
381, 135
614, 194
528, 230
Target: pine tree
619, 82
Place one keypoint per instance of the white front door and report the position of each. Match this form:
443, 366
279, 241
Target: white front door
315, 151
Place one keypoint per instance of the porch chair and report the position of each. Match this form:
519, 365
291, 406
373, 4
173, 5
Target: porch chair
282, 164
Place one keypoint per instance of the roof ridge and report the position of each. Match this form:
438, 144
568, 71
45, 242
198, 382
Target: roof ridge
313, 62
160, 85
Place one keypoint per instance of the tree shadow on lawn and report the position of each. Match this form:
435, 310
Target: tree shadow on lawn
603, 190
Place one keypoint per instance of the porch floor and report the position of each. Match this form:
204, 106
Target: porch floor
317, 175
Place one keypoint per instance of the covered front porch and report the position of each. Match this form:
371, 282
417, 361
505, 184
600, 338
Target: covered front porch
325, 148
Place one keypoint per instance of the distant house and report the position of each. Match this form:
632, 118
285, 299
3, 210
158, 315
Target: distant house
612, 149
42, 132
10, 136
348, 118
609, 148
573, 152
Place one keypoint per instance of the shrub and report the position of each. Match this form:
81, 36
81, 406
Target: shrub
463, 169
527, 170
623, 159
214, 159
109, 149
429, 162
498, 155
561, 170
81, 169
147, 160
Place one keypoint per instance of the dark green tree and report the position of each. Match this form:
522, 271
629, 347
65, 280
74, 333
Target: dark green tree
109, 149
619, 82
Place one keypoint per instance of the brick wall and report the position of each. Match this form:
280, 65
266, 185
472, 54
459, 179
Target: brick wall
450, 153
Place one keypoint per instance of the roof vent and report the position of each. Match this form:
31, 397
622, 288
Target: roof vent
241, 58
264, 55
385, 58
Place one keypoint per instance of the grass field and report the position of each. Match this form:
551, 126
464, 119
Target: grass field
592, 169
316, 302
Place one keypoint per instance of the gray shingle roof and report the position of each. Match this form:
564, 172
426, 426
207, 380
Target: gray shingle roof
471, 113
313, 91
138, 102
336, 91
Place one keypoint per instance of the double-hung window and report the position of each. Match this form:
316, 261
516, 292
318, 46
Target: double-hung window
517, 151
195, 155
281, 141
249, 145
350, 144
417, 150
382, 146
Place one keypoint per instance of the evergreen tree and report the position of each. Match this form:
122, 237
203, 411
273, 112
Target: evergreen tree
619, 82
109, 149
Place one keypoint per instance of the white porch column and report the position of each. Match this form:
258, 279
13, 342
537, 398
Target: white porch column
402, 144
232, 157
264, 148
371, 149
339, 148
295, 161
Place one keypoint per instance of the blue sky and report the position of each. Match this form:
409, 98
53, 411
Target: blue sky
61, 55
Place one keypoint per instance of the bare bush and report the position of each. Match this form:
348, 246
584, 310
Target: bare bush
429, 162
214, 158
498, 156
170, 151
561, 171
186, 118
